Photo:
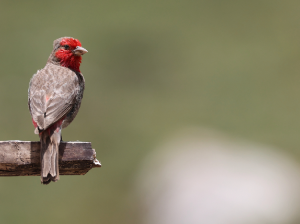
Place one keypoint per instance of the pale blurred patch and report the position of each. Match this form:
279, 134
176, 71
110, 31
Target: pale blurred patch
200, 176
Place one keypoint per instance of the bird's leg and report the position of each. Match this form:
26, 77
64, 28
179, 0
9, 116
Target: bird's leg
61, 140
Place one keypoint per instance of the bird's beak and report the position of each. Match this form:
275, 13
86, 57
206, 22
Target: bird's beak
79, 51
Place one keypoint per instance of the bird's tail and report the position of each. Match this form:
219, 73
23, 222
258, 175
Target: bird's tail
49, 156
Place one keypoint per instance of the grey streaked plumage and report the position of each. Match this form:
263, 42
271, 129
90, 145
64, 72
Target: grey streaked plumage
55, 93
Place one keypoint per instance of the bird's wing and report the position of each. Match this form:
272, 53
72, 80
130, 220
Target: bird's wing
52, 94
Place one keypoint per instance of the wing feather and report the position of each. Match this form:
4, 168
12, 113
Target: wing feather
52, 94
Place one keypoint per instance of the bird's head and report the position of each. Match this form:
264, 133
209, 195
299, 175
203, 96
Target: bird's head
67, 52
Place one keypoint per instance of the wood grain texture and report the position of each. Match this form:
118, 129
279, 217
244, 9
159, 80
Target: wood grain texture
22, 158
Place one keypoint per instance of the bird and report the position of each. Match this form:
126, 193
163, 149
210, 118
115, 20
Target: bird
54, 98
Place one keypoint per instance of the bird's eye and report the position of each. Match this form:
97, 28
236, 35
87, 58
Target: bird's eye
66, 47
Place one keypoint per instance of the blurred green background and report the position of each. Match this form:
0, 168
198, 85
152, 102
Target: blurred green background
152, 68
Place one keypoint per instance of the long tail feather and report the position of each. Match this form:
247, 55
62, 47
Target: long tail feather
49, 156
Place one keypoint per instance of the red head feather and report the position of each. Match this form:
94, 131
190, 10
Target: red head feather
66, 56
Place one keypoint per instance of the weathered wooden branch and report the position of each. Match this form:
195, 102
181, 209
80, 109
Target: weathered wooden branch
22, 158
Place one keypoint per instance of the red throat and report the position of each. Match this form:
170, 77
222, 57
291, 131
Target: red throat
67, 58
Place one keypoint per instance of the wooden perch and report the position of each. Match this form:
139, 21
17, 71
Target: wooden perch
22, 158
